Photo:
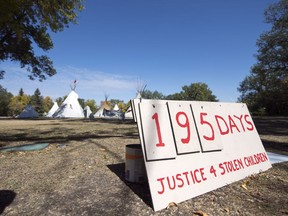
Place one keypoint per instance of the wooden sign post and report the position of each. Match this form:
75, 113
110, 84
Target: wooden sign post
191, 147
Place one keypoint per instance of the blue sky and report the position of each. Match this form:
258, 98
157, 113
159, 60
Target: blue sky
165, 44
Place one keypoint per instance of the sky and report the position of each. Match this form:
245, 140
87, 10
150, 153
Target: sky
118, 46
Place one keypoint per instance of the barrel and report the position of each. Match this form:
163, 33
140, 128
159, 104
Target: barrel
134, 165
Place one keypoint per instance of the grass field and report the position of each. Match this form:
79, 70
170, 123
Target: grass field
82, 172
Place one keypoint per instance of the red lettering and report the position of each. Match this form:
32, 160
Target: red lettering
187, 179
217, 117
160, 144
192, 176
232, 124
222, 168
202, 174
162, 186
213, 171
249, 123
240, 119
202, 121
195, 176
182, 179
169, 185
185, 125
178, 177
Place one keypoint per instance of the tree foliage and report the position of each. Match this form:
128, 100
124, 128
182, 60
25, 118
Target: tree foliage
47, 104
25, 23
60, 100
114, 102
194, 92
5, 97
81, 102
37, 101
147, 94
92, 104
265, 89
18, 103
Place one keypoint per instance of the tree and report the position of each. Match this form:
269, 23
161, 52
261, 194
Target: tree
147, 94
92, 105
60, 100
24, 23
47, 104
267, 85
4, 101
37, 101
21, 92
18, 103
195, 92
81, 102
113, 102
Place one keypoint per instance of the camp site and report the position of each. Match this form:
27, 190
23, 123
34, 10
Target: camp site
144, 107
71, 166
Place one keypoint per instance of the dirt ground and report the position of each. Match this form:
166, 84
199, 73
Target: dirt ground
82, 173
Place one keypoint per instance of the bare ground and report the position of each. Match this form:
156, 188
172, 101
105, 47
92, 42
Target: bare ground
82, 173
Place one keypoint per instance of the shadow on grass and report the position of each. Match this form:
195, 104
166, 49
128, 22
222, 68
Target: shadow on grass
275, 147
271, 125
6, 198
63, 134
140, 189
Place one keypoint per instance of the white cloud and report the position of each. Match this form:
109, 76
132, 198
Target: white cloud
91, 84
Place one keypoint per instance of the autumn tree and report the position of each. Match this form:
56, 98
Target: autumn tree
24, 24
18, 103
122, 106
265, 89
92, 104
47, 104
113, 102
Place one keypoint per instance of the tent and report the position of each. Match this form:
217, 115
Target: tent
28, 112
87, 112
128, 113
100, 112
53, 109
116, 108
70, 108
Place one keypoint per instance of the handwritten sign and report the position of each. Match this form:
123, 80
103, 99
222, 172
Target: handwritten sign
192, 147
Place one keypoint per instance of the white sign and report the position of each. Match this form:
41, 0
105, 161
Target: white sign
191, 147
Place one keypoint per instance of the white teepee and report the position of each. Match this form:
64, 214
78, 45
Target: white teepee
28, 112
104, 105
53, 109
116, 108
140, 89
129, 113
70, 108
87, 112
